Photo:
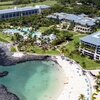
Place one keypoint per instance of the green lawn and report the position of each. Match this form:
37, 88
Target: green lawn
89, 63
9, 4
5, 38
98, 29
43, 29
38, 50
52, 52
71, 46
5, 3
13, 49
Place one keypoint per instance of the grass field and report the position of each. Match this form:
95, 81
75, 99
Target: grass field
76, 38
43, 29
38, 50
5, 38
9, 4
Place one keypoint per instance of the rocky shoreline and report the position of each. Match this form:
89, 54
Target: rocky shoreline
6, 95
3, 74
15, 60
6, 58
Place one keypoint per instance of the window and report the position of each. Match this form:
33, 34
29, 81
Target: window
30, 12
97, 57
10, 15
98, 50
14, 14
26, 12
33, 12
6, 16
18, 14
89, 54
36, 11
3, 16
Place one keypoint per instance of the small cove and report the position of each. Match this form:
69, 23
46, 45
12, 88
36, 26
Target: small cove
34, 80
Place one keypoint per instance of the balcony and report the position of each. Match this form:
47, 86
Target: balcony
88, 48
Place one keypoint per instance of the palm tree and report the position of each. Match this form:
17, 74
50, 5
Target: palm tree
63, 49
84, 64
81, 97
18, 37
76, 44
97, 87
94, 96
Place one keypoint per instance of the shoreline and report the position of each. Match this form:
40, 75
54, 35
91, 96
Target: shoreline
72, 70
5, 94
7, 58
59, 87
66, 65
77, 81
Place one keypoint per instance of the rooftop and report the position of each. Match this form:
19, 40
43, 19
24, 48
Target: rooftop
80, 19
92, 39
23, 9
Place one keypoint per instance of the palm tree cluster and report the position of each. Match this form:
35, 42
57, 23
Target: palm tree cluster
81, 97
97, 86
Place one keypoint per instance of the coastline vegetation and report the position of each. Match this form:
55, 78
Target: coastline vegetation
5, 38
73, 53
46, 27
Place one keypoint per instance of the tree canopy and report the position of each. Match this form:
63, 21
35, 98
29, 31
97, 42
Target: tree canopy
85, 2
21, 1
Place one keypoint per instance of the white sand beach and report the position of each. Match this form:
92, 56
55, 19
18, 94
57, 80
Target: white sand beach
78, 82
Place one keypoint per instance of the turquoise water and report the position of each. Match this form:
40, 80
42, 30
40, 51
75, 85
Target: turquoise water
36, 80
25, 30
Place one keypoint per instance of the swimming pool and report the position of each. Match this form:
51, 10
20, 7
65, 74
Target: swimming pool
24, 32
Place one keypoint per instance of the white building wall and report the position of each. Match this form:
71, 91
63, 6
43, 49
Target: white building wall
89, 52
82, 29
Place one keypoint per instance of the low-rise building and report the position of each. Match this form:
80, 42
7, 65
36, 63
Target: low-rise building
49, 38
90, 45
83, 29
19, 12
82, 23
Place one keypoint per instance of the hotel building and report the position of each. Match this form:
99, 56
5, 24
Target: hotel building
19, 12
90, 45
83, 23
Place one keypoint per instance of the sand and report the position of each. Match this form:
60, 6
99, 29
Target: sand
77, 84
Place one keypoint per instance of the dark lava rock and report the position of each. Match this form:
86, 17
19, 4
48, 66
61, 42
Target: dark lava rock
5, 95
6, 58
5, 54
4, 73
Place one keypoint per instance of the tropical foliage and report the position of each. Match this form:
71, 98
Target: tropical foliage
81, 97
97, 86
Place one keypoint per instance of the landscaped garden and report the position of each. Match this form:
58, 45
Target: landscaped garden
46, 27
70, 49
5, 38
73, 53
